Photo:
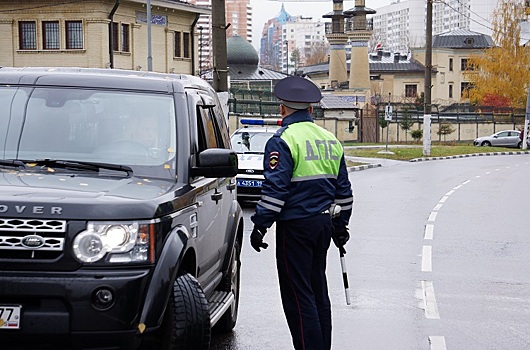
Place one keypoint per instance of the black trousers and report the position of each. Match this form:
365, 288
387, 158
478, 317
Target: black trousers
301, 251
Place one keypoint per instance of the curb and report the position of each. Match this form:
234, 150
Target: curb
363, 167
470, 155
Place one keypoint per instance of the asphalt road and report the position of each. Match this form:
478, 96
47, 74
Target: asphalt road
438, 260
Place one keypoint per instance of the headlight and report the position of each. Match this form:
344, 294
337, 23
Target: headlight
122, 242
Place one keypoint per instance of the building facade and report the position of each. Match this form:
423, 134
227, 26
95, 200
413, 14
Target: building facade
400, 26
100, 34
402, 77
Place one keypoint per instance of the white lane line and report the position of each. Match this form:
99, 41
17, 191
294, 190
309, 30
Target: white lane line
432, 216
429, 231
429, 301
437, 207
488, 172
477, 177
466, 182
437, 342
444, 198
450, 193
426, 258
457, 187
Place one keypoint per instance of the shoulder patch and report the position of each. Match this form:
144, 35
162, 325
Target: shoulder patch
274, 160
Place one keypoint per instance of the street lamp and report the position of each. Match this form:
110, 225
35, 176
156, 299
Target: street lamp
149, 56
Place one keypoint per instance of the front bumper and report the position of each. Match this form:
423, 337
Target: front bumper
64, 306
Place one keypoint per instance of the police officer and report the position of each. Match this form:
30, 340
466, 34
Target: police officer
305, 174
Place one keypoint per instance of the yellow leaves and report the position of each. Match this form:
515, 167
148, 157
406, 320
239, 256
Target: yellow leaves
503, 70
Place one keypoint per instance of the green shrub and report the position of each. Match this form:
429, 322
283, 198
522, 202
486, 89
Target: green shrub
416, 134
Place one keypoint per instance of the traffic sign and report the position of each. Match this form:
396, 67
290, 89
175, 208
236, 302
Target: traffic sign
388, 112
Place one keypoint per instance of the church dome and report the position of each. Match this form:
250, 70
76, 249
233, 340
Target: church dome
240, 51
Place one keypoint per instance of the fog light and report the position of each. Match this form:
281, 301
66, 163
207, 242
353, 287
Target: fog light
103, 298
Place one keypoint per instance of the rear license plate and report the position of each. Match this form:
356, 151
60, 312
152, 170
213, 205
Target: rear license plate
10, 316
249, 183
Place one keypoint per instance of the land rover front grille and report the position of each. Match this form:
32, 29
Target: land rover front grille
31, 238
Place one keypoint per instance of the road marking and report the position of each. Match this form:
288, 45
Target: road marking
450, 193
488, 172
429, 301
429, 231
444, 198
477, 177
438, 206
466, 182
426, 258
432, 216
437, 342
457, 187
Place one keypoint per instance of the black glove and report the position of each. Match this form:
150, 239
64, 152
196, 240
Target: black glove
256, 238
340, 235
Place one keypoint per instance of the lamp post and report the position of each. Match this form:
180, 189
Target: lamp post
427, 93
149, 55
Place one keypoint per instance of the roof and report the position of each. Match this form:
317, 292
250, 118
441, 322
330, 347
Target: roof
248, 72
462, 39
337, 102
377, 63
240, 51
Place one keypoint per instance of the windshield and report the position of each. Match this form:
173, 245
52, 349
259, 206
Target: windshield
249, 141
101, 126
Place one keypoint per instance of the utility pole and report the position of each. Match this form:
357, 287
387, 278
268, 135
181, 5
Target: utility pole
428, 85
149, 54
220, 64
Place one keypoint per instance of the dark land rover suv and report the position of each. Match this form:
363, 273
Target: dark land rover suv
119, 224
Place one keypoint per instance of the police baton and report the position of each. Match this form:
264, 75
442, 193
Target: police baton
342, 252
335, 212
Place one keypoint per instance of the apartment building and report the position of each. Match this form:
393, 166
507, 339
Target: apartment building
400, 26
238, 14
100, 34
299, 39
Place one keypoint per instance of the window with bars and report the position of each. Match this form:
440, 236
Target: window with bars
178, 39
115, 36
50, 35
186, 40
125, 47
74, 34
27, 35
411, 90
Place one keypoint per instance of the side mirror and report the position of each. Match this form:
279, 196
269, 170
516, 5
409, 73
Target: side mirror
216, 162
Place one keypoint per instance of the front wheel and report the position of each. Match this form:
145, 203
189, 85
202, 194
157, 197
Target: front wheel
186, 322
486, 143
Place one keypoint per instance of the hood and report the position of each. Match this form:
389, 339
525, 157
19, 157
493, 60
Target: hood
82, 197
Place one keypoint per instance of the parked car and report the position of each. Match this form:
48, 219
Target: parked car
249, 143
111, 235
505, 138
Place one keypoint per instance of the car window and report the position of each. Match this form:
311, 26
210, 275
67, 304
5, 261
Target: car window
246, 141
126, 128
503, 134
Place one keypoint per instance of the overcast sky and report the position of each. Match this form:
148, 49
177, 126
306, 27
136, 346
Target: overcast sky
263, 10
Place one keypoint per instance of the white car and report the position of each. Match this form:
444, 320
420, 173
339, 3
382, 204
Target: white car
505, 138
249, 144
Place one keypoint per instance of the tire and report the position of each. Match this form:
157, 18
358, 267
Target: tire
186, 322
231, 282
520, 144
486, 143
